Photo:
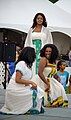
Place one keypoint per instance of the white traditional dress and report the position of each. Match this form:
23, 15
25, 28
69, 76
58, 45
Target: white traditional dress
45, 39
38, 40
19, 98
57, 95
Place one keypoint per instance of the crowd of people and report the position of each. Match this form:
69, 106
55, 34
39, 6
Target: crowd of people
38, 80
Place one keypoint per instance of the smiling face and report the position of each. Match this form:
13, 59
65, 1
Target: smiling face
48, 52
39, 20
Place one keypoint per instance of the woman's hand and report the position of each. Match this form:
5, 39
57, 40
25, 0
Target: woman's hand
48, 86
34, 86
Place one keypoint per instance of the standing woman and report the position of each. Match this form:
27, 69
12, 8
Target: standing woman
54, 91
38, 35
22, 94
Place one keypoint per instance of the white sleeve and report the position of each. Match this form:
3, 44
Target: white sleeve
21, 67
49, 37
28, 39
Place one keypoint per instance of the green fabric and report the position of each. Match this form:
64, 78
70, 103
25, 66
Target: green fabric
37, 43
33, 110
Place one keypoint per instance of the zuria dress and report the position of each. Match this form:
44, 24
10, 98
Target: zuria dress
20, 98
38, 40
57, 96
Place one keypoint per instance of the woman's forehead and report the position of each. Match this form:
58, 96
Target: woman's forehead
48, 48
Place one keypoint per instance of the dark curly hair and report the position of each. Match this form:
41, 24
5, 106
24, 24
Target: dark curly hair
27, 55
54, 54
44, 20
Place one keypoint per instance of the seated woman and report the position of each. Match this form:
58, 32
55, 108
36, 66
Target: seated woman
22, 94
55, 95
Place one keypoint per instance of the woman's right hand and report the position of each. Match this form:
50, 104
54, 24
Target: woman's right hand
34, 86
48, 86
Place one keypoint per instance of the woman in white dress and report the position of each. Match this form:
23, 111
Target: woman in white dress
22, 94
38, 36
55, 95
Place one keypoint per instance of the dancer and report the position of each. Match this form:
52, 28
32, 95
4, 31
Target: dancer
22, 94
55, 95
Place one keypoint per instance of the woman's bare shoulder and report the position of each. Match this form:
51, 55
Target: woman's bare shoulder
44, 60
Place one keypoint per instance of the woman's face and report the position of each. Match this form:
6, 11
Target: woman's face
39, 20
48, 52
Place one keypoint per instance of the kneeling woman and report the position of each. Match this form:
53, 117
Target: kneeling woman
55, 95
22, 94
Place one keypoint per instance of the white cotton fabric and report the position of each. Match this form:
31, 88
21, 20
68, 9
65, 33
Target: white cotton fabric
45, 36
56, 89
18, 99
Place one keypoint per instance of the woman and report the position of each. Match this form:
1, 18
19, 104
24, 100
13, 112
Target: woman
54, 92
38, 35
22, 94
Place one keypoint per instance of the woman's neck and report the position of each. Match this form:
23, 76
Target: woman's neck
38, 28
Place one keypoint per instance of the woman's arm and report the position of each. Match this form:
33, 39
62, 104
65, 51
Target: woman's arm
42, 65
51, 65
22, 81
